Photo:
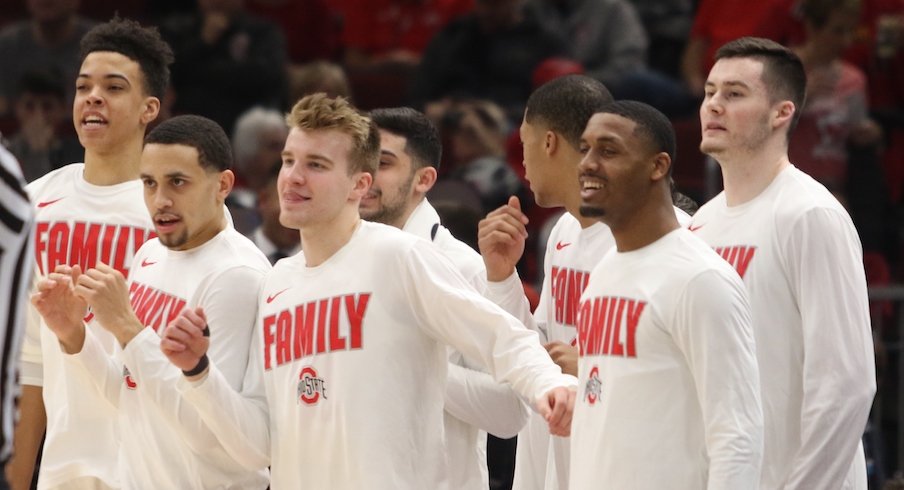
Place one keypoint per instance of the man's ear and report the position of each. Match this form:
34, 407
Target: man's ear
783, 114
363, 181
226, 181
551, 143
424, 179
150, 111
661, 165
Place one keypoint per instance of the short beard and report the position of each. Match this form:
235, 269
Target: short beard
591, 212
175, 241
389, 213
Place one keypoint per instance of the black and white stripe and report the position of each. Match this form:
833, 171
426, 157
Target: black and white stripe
16, 244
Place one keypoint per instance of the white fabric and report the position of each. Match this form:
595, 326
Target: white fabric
165, 443
355, 399
800, 257
474, 403
669, 394
79, 223
542, 460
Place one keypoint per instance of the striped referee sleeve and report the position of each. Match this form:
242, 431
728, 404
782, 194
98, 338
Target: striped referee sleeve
16, 244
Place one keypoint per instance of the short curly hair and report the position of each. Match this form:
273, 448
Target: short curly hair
320, 112
140, 44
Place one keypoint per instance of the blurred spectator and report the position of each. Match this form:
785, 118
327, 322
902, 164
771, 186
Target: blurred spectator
275, 240
257, 141
49, 39
608, 39
477, 131
720, 21
312, 28
668, 24
317, 76
394, 32
488, 54
226, 61
605, 36
42, 144
835, 112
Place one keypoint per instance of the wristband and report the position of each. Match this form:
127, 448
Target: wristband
202, 365
203, 362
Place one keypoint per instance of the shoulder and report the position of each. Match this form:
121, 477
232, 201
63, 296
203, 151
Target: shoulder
239, 251
712, 206
63, 176
465, 258
799, 196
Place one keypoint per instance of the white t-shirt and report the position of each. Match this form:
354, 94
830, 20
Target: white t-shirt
475, 403
79, 223
165, 443
347, 388
669, 395
542, 460
800, 258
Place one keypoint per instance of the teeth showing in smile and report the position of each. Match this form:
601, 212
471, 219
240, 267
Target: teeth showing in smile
93, 120
592, 185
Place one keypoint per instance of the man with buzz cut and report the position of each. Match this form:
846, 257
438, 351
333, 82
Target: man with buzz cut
197, 260
796, 249
410, 152
349, 356
88, 213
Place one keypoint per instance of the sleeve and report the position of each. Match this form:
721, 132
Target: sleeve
94, 362
712, 327
239, 420
31, 364
509, 295
475, 398
454, 313
839, 373
230, 301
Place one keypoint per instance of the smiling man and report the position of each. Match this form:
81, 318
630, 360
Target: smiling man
88, 213
196, 261
669, 392
800, 258
350, 359
410, 152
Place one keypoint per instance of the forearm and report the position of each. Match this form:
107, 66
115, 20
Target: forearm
29, 433
474, 397
239, 421
93, 362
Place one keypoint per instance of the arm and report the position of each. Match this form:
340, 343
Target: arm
32, 422
712, 328
839, 369
474, 397
229, 300
451, 311
240, 421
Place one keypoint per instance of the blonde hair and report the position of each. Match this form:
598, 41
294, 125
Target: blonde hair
319, 112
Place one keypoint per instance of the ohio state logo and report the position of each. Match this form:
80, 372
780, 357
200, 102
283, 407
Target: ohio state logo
310, 386
594, 386
128, 379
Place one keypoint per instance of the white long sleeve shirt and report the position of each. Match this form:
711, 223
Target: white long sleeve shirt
78, 223
800, 258
669, 393
165, 443
474, 403
347, 390
542, 460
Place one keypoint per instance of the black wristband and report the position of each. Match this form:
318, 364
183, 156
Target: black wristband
202, 365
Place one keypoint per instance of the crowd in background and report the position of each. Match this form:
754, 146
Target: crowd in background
470, 66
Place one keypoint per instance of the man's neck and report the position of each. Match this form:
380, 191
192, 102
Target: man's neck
113, 166
322, 242
747, 175
655, 219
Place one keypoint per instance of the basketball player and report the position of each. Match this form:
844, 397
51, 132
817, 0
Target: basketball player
89, 213
800, 258
410, 152
347, 388
669, 392
196, 261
